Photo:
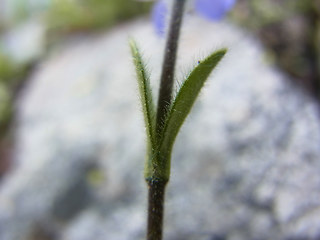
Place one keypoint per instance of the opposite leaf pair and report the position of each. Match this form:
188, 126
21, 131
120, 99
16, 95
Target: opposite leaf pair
160, 144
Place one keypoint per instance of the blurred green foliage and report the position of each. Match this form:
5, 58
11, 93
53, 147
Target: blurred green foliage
10, 73
92, 14
5, 107
7, 73
257, 14
7, 69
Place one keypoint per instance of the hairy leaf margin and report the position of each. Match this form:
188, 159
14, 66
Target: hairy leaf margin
184, 100
146, 97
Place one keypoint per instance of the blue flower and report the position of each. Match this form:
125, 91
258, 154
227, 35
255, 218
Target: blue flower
159, 13
214, 9
210, 9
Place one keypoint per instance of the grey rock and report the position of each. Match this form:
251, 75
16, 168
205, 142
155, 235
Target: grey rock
245, 165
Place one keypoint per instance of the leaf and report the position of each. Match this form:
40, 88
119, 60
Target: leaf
185, 99
147, 103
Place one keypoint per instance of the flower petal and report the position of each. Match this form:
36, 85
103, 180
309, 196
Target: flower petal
159, 13
214, 9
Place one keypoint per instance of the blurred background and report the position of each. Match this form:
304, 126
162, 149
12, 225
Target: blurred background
33, 30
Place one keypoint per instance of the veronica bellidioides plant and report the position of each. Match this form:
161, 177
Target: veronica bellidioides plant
163, 121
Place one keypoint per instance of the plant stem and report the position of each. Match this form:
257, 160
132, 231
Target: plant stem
155, 209
157, 186
167, 76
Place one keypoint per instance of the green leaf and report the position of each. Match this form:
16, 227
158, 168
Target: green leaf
184, 101
147, 103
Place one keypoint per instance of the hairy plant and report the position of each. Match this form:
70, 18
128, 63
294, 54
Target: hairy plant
164, 121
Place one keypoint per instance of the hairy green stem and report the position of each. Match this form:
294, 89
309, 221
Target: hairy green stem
167, 76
